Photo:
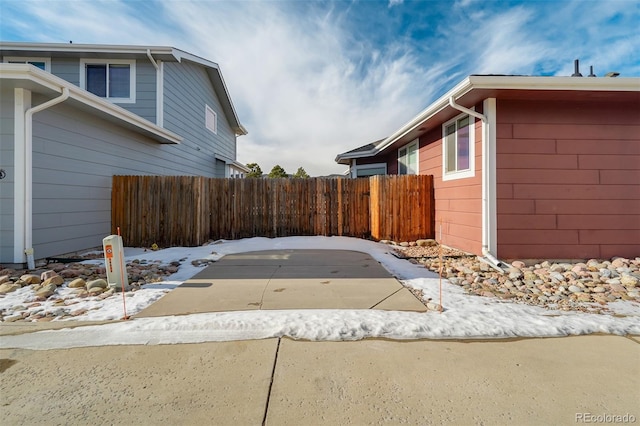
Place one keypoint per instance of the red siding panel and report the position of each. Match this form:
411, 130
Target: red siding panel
574, 192
587, 206
568, 177
548, 176
529, 146
573, 131
607, 251
510, 236
609, 236
548, 251
609, 162
537, 161
608, 147
506, 206
598, 221
527, 221
608, 177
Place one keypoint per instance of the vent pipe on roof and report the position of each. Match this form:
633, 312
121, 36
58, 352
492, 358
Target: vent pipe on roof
591, 74
576, 66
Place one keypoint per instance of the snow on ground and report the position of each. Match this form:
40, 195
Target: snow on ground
465, 316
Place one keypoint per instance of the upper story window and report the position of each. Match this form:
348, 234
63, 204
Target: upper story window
111, 79
408, 159
211, 119
366, 170
458, 148
42, 63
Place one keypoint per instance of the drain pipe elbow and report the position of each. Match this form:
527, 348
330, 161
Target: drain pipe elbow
153, 61
497, 264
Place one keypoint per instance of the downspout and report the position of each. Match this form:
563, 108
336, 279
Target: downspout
486, 205
159, 89
28, 171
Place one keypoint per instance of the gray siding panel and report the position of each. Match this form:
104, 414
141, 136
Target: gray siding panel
6, 184
145, 105
75, 156
67, 69
187, 90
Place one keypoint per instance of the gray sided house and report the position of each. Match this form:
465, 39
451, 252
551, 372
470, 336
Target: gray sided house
72, 116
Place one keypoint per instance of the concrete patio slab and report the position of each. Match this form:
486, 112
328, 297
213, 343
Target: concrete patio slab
288, 279
318, 293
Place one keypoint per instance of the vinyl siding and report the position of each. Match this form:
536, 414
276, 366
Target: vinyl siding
145, 105
6, 184
187, 89
568, 176
75, 155
66, 68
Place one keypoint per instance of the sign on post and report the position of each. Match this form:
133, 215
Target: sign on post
114, 262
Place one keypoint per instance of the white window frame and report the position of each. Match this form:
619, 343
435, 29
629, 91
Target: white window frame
27, 59
210, 119
471, 171
132, 76
417, 144
368, 166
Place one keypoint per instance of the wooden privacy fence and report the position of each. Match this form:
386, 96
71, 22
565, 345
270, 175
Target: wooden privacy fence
190, 210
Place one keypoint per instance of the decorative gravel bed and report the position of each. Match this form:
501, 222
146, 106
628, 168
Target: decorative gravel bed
580, 286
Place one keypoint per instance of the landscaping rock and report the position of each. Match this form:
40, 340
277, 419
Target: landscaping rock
99, 283
77, 283
9, 287
30, 279
55, 279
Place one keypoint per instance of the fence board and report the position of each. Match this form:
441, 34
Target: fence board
189, 210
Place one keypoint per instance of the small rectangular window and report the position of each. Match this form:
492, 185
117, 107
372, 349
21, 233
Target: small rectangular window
42, 63
211, 119
457, 141
366, 170
408, 159
111, 79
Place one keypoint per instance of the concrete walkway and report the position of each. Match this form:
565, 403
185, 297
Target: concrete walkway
288, 279
285, 382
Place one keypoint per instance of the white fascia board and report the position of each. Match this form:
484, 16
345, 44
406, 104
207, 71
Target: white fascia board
30, 73
611, 84
86, 48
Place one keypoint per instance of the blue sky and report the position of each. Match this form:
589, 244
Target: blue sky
311, 79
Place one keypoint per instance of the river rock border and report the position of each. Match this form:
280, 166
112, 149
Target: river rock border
577, 286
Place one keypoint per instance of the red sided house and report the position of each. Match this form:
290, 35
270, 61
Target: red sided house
525, 167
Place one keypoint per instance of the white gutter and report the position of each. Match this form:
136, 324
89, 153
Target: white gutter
487, 194
28, 171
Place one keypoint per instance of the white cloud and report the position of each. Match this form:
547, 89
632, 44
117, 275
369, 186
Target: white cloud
296, 83
395, 3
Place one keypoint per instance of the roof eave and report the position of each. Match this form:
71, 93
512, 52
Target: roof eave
509, 82
49, 81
